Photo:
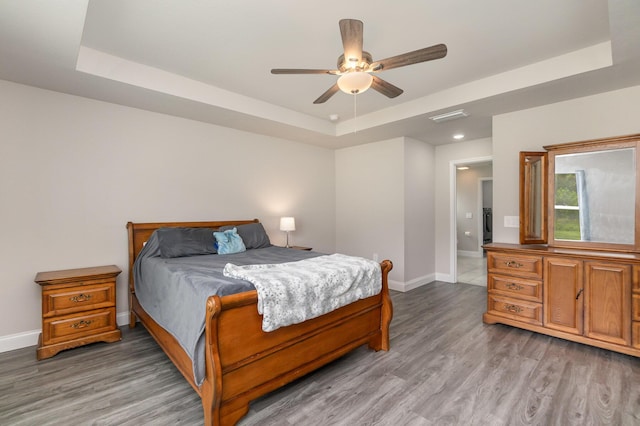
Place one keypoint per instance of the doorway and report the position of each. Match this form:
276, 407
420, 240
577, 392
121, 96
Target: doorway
485, 208
471, 218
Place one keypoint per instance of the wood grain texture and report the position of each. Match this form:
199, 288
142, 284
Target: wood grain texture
445, 367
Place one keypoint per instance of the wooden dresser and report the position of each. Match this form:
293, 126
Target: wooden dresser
587, 296
78, 307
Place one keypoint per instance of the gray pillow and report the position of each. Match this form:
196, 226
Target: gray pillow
181, 242
253, 235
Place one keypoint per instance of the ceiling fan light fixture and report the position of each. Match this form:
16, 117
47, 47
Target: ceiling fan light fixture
355, 82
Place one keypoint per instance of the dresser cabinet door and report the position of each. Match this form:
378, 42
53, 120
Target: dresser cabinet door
608, 302
563, 295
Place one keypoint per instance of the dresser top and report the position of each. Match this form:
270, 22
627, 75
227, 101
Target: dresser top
541, 249
79, 274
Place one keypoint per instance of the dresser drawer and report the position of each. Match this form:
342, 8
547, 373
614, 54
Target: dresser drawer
520, 310
79, 297
68, 327
515, 287
518, 265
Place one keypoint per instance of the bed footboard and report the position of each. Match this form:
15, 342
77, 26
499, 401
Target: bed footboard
243, 362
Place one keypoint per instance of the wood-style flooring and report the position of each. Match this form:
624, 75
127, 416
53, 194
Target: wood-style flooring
445, 367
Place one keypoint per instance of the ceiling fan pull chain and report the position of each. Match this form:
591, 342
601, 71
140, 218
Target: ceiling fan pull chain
355, 125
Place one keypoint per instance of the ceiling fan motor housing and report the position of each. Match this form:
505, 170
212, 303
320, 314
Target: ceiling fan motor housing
362, 65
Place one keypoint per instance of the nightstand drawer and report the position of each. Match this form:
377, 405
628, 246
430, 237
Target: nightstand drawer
515, 287
81, 297
520, 265
64, 328
519, 310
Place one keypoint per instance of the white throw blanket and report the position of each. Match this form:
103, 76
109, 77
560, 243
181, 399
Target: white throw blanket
290, 293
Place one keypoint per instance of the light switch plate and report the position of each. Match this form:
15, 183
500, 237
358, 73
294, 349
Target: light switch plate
512, 222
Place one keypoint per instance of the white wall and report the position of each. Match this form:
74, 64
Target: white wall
73, 171
370, 202
419, 213
608, 114
384, 205
446, 158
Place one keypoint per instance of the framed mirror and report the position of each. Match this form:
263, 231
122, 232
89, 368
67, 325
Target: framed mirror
533, 197
593, 189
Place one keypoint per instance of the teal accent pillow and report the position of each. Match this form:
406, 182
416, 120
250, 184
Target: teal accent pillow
229, 242
253, 235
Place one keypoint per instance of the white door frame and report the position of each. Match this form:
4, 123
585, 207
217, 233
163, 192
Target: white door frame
453, 254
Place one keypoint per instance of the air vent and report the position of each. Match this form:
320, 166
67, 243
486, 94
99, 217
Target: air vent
451, 115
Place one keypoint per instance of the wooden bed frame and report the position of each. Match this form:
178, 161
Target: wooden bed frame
242, 362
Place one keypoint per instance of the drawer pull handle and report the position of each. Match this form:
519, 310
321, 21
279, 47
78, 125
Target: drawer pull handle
80, 298
513, 308
81, 324
579, 293
513, 264
513, 286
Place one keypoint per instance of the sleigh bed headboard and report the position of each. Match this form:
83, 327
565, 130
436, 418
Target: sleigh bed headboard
139, 233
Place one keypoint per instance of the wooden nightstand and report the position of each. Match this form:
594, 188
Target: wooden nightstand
78, 307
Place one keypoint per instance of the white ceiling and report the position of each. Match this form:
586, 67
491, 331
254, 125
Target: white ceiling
211, 60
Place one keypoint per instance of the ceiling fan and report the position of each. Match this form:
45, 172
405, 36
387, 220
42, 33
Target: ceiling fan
357, 69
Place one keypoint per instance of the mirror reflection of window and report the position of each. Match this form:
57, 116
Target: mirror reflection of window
594, 196
572, 207
567, 221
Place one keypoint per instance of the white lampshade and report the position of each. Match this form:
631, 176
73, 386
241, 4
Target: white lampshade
287, 224
355, 82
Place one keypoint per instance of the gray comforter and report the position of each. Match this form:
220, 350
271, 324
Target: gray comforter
174, 291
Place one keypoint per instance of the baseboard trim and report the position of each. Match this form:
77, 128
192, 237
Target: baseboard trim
412, 284
448, 278
122, 318
468, 253
12, 342
25, 339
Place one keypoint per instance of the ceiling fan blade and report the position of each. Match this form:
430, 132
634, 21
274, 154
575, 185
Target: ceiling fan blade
351, 32
301, 71
328, 94
384, 87
421, 55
